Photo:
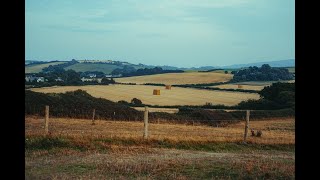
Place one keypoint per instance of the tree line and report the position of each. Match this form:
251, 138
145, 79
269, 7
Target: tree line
128, 71
264, 73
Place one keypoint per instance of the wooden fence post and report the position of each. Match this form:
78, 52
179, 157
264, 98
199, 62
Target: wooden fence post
46, 126
145, 133
246, 126
93, 115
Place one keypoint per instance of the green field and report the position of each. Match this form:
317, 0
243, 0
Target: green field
82, 67
292, 69
36, 68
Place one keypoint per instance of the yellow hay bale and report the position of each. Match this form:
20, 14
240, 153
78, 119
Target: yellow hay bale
168, 86
156, 92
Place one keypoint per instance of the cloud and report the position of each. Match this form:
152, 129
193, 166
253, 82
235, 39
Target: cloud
77, 29
165, 10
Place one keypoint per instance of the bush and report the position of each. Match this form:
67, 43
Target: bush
77, 104
259, 133
123, 102
107, 81
264, 73
136, 101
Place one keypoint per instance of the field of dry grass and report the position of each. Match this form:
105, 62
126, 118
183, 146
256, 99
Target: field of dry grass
140, 163
178, 78
116, 150
235, 86
250, 85
150, 109
175, 96
274, 131
38, 68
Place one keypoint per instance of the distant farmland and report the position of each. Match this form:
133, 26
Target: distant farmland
178, 78
175, 96
82, 67
235, 86
249, 85
38, 67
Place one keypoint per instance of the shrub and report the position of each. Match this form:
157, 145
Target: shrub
259, 133
136, 101
123, 102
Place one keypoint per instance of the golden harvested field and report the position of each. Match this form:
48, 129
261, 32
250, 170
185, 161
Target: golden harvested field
38, 68
175, 96
150, 109
235, 86
178, 78
250, 85
281, 131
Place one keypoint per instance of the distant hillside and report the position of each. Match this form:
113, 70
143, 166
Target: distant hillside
280, 63
83, 67
107, 66
36, 67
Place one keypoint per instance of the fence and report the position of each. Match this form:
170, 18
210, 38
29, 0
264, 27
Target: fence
190, 128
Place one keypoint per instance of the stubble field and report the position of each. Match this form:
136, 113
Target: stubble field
175, 96
75, 149
178, 78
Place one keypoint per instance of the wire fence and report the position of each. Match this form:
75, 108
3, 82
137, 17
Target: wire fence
208, 125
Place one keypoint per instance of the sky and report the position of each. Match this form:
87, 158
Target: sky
179, 33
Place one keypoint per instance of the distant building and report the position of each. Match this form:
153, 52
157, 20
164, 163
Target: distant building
92, 75
40, 79
31, 78
59, 79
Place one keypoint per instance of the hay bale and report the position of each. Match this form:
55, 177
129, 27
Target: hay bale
156, 92
239, 86
168, 86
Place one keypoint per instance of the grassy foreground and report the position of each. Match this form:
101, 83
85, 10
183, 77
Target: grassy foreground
72, 151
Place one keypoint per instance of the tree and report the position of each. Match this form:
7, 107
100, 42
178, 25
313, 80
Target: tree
136, 101
226, 72
107, 81
264, 73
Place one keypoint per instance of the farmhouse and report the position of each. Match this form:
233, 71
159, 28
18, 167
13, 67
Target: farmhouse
83, 79
40, 79
59, 79
31, 78
92, 75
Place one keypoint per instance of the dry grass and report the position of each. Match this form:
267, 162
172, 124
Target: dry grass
250, 85
162, 164
175, 96
178, 78
150, 109
235, 86
133, 161
38, 68
274, 131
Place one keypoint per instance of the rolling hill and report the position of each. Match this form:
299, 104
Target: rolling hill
280, 63
108, 66
36, 68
